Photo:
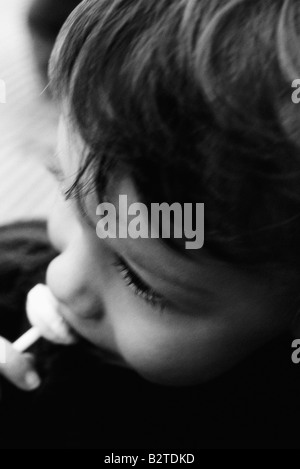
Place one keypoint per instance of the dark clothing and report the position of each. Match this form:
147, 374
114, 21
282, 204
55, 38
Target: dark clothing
85, 404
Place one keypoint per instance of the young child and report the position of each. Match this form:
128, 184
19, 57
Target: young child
175, 101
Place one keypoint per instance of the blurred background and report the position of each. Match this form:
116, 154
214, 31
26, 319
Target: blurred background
28, 119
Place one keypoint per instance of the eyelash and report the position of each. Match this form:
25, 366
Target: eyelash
139, 287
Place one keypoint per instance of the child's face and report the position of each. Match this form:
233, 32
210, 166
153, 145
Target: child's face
214, 314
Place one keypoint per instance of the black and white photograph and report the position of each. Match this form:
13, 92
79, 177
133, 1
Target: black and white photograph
149, 227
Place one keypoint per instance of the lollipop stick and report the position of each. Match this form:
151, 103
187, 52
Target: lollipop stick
27, 340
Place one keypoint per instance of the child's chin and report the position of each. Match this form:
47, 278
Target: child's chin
177, 379
183, 377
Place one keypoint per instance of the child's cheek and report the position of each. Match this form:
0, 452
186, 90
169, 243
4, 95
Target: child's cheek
160, 351
179, 351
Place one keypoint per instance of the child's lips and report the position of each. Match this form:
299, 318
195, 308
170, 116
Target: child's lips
103, 351
61, 327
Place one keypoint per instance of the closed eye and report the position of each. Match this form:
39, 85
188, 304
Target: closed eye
139, 287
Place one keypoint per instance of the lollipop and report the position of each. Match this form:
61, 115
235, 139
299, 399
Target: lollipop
42, 313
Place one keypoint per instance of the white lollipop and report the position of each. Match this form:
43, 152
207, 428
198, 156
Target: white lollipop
42, 313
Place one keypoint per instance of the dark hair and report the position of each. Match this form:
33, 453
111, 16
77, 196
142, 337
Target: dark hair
193, 99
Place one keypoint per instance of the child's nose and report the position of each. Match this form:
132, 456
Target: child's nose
74, 284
